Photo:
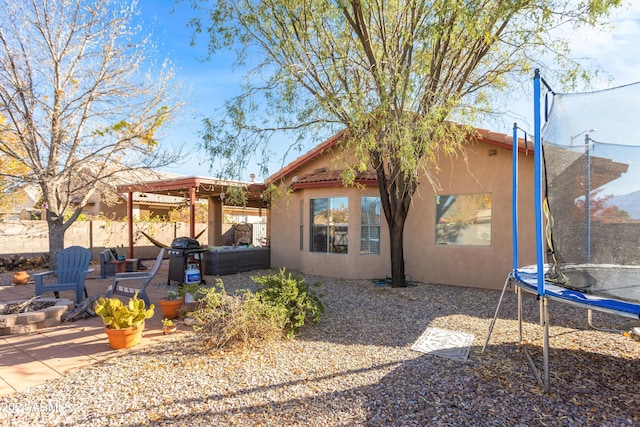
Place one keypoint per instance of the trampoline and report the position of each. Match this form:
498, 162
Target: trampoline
587, 206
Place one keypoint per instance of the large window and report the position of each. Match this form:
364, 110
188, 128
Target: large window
370, 225
329, 225
463, 219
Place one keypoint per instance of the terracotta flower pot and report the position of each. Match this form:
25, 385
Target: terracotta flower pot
169, 329
20, 278
170, 308
124, 338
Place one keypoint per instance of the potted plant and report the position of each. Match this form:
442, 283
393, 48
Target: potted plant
170, 304
168, 327
120, 251
123, 323
192, 292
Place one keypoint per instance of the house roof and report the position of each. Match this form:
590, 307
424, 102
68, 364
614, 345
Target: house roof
321, 178
307, 157
154, 199
179, 186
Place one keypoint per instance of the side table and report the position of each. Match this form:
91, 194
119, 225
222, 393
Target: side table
123, 266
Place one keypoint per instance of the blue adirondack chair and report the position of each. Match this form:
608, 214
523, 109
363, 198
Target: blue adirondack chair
72, 268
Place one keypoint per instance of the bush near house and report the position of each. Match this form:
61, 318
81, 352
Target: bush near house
279, 308
290, 293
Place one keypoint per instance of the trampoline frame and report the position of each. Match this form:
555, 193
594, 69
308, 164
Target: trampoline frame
532, 279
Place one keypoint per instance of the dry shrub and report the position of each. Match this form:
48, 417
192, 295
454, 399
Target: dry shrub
238, 321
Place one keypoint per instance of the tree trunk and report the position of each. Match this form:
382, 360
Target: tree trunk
395, 211
396, 237
56, 237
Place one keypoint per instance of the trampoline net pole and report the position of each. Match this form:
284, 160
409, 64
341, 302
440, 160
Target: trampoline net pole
545, 351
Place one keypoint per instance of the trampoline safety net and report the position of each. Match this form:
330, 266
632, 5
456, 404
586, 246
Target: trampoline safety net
591, 148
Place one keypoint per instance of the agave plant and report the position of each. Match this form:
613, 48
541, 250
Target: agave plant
116, 315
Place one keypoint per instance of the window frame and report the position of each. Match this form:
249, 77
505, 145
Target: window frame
474, 224
330, 229
369, 225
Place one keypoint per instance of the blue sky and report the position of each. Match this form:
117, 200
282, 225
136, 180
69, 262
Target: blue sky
208, 84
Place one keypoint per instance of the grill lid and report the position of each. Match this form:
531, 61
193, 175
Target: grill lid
185, 243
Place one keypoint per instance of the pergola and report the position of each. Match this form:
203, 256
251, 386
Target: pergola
193, 188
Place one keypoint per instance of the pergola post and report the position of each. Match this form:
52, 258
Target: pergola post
214, 229
130, 222
192, 211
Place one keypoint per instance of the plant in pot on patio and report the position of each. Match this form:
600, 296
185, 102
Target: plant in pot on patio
120, 251
123, 323
170, 304
168, 327
192, 292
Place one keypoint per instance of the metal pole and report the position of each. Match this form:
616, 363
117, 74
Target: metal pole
514, 196
495, 316
519, 314
537, 189
587, 197
545, 349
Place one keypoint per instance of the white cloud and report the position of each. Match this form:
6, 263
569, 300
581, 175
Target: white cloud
613, 48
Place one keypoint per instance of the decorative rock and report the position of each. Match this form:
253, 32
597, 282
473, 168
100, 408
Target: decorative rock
7, 321
18, 263
20, 278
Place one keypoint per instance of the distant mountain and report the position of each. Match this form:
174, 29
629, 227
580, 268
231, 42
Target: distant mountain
628, 202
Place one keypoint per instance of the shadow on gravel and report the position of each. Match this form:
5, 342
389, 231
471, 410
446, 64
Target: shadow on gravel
497, 388
494, 389
371, 315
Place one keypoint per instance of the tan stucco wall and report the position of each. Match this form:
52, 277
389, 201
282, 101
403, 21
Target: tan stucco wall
488, 170
476, 266
285, 242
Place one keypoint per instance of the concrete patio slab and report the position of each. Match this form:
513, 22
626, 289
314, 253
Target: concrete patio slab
31, 359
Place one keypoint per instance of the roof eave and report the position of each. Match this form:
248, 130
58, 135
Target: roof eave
310, 155
332, 183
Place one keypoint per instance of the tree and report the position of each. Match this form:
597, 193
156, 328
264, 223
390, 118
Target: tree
394, 73
81, 101
12, 167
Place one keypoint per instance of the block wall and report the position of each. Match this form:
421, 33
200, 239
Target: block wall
31, 237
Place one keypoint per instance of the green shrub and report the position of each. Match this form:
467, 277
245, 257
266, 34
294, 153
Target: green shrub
290, 294
211, 297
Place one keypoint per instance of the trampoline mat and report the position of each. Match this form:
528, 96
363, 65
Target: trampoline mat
614, 281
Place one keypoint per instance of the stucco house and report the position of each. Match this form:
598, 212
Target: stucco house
459, 235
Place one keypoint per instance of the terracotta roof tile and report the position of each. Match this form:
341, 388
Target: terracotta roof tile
333, 175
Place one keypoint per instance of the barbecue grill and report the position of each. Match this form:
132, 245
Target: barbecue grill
184, 251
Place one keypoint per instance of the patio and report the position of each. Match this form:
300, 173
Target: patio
31, 359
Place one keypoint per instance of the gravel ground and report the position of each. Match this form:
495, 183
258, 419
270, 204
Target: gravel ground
355, 367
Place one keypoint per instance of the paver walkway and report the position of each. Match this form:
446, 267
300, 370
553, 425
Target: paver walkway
28, 360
